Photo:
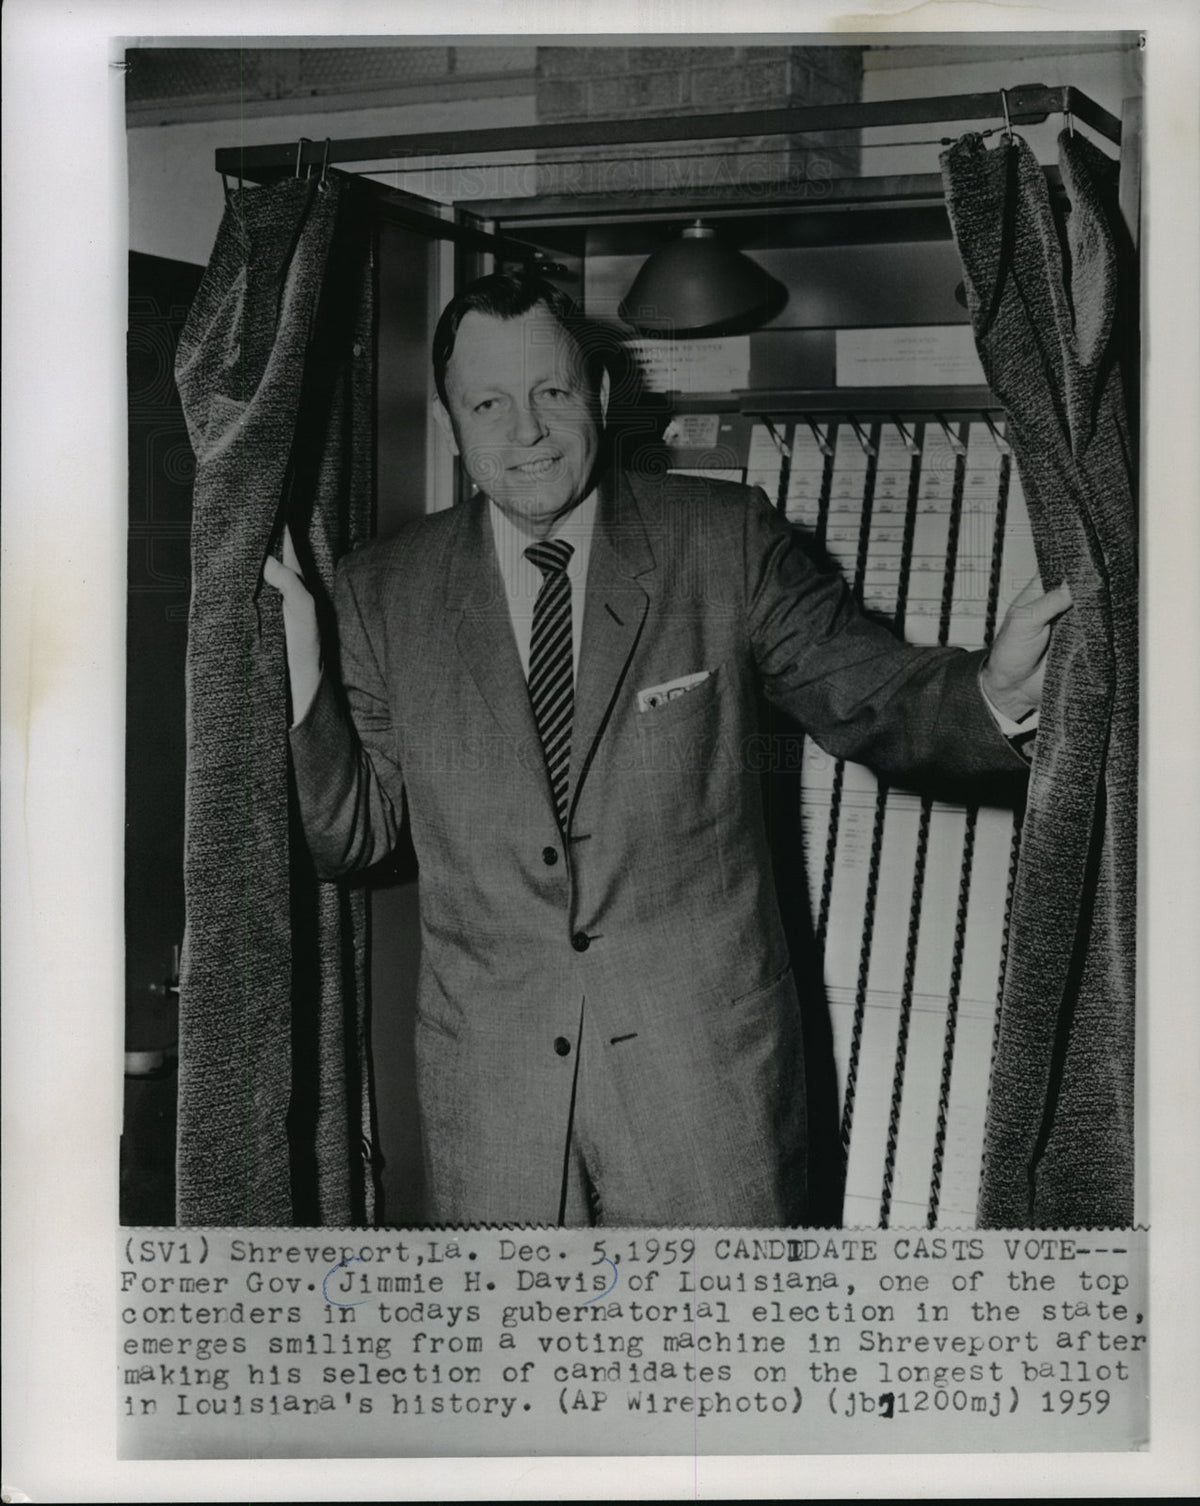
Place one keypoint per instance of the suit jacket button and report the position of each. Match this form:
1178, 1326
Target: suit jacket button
549, 856
581, 941
562, 1046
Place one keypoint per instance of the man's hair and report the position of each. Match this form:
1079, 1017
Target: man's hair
508, 295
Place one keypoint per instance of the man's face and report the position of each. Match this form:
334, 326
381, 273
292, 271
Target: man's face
525, 419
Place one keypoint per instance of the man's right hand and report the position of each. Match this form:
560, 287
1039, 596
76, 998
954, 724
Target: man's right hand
299, 626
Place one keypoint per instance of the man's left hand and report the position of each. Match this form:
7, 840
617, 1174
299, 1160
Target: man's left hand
1012, 674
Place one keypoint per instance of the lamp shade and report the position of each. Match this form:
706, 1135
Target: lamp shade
697, 285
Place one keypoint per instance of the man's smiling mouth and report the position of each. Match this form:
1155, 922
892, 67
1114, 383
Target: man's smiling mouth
541, 466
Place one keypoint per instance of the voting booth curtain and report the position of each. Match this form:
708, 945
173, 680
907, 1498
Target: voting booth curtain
275, 372
1051, 304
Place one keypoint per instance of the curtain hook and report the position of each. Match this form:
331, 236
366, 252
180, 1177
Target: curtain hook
324, 166
299, 153
1070, 121
229, 192
1008, 132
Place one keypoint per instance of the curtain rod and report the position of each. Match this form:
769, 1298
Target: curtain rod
1026, 105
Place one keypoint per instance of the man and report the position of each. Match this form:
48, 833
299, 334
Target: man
558, 680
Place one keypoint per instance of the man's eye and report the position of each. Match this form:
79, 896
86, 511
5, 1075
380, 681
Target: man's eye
555, 392
486, 406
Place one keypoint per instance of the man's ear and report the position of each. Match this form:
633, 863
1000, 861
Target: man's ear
445, 425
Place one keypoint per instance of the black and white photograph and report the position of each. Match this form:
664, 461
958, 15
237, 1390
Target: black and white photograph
633, 668
630, 779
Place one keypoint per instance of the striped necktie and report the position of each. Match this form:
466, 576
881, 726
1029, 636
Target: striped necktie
551, 665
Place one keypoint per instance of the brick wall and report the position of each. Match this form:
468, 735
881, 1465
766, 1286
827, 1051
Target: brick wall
623, 83
170, 84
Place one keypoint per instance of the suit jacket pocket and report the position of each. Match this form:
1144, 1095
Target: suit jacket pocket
437, 1026
761, 990
758, 1030
435, 1009
694, 702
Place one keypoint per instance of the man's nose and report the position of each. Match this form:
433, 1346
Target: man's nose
527, 425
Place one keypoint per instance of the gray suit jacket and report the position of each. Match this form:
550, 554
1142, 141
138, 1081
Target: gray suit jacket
657, 906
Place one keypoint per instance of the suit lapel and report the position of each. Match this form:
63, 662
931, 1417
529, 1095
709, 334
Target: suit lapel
613, 618
485, 637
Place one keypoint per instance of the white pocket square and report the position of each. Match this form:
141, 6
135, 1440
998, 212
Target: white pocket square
658, 695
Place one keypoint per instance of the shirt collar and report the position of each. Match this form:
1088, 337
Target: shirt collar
575, 528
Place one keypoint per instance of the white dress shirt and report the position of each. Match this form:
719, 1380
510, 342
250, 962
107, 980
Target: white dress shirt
523, 580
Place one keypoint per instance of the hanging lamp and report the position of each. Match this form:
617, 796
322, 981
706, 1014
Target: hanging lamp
699, 285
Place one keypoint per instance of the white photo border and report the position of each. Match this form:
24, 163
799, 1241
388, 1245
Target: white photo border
64, 541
